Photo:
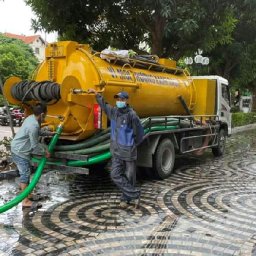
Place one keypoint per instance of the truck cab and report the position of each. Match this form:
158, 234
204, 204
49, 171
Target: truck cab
217, 95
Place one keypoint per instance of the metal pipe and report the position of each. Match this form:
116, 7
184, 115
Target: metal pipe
7, 109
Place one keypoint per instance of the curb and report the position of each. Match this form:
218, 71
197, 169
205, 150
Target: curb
243, 128
15, 173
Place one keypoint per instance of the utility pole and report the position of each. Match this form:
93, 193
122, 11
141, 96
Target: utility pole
7, 109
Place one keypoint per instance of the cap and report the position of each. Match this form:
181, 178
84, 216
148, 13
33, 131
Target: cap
122, 95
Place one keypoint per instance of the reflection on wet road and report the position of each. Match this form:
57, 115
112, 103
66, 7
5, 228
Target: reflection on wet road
207, 207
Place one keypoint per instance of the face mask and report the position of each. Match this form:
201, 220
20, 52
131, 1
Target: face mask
121, 104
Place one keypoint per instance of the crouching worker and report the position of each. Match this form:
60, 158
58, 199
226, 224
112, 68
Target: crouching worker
126, 133
25, 141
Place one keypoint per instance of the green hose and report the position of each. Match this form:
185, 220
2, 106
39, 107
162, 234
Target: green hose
103, 156
163, 120
91, 145
36, 176
103, 135
105, 145
84, 144
160, 128
92, 160
95, 149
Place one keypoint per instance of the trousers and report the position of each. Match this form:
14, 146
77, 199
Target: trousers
23, 166
123, 174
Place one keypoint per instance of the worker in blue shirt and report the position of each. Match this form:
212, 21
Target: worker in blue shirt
24, 143
126, 133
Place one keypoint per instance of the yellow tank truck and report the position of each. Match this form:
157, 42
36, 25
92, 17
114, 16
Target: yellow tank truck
181, 114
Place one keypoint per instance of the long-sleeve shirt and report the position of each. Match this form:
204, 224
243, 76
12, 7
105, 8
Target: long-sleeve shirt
126, 130
27, 139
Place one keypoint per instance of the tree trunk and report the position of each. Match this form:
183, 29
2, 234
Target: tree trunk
253, 99
157, 47
228, 68
158, 35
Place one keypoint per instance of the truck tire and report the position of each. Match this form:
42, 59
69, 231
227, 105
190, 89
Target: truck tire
219, 150
164, 159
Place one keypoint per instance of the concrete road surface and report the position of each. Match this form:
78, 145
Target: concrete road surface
5, 131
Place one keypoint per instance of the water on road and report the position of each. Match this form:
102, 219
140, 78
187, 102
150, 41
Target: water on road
207, 207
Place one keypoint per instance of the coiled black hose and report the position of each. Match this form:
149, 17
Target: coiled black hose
40, 91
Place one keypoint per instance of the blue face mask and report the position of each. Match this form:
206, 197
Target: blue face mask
121, 104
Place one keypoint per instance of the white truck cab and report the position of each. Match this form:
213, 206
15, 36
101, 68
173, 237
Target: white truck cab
223, 99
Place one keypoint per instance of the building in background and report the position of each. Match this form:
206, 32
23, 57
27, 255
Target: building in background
35, 42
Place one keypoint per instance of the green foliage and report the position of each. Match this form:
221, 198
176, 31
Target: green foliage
236, 60
224, 29
246, 68
232, 56
16, 58
167, 26
240, 119
1, 100
97, 22
235, 109
220, 34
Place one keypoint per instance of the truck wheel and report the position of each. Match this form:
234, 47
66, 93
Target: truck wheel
219, 150
164, 159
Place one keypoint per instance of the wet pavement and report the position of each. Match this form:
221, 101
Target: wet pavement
207, 207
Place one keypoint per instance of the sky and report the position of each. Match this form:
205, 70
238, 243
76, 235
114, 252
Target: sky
15, 18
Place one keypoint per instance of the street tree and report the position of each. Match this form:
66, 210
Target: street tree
16, 58
224, 29
236, 60
169, 27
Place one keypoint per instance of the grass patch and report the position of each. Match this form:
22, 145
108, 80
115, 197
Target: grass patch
240, 118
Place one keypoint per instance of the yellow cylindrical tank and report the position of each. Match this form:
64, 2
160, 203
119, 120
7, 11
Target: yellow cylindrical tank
153, 88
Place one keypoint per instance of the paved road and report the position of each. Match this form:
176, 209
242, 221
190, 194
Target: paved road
5, 131
207, 207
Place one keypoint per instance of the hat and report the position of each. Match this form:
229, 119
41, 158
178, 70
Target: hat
122, 95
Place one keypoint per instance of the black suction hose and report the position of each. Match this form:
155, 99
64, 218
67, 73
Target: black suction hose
44, 91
